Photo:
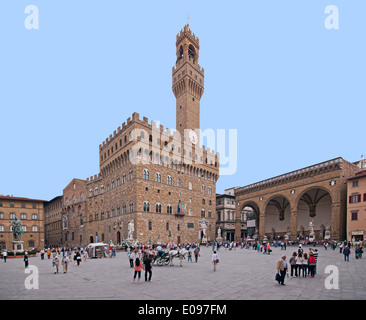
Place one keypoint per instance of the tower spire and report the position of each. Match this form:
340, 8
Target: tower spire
188, 81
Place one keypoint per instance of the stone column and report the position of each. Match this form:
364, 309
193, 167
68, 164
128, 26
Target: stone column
337, 225
293, 225
237, 227
262, 225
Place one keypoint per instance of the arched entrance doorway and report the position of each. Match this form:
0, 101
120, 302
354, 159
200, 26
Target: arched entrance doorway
118, 237
314, 205
91, 239
277, 218
249, 216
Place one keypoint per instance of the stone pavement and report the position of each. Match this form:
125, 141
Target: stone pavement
242, 274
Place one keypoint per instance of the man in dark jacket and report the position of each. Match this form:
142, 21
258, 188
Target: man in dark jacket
346, 252
148, 267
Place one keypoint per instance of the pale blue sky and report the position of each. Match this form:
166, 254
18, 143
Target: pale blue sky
294, 90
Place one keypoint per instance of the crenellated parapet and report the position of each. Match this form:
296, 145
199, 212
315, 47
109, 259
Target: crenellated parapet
186, 32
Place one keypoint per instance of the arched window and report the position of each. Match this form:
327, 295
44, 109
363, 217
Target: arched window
130, 175
178, 183
146, 206
203, 213
189, 185
158, 177
145, 174
96, 191
203, 188
210, 190
158, 208
191, 52
169, 180
12, 216
82, 197
73, 199
131, 207
124, 178
90, 192
66, 202
150, 225
169, 209
34, 229
23, 216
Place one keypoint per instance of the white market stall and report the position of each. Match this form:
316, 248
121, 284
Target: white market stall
97, 250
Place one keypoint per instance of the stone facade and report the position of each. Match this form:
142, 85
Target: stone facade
147, 172
53, 222
225, 209
30, 212
285, 205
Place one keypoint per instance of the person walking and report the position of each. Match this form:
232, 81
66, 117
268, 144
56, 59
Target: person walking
48, 253
293, 264
148, 268
132, 258
346, 252
42, 254
77, 258
282, 270
196, 254
311, 265
5, 254
138, 267
26, 259
190, 255
269, 250
65, 262
215, 260
56, 263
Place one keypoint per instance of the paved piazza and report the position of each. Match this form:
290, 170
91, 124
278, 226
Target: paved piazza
242, 274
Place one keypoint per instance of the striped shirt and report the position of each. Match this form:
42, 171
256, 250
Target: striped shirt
315, 254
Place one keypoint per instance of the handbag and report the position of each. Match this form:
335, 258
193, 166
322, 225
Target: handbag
217, 260
277, 277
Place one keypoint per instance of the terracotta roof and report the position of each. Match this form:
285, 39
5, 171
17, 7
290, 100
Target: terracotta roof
359, 174
18, 198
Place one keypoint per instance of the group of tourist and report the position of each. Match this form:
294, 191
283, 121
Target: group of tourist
301, 264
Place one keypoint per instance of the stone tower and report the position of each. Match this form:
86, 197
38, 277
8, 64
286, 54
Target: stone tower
188, 84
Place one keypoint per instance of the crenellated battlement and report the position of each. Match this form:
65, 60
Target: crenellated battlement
155, 129
94, 178
186, 32
181, 62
